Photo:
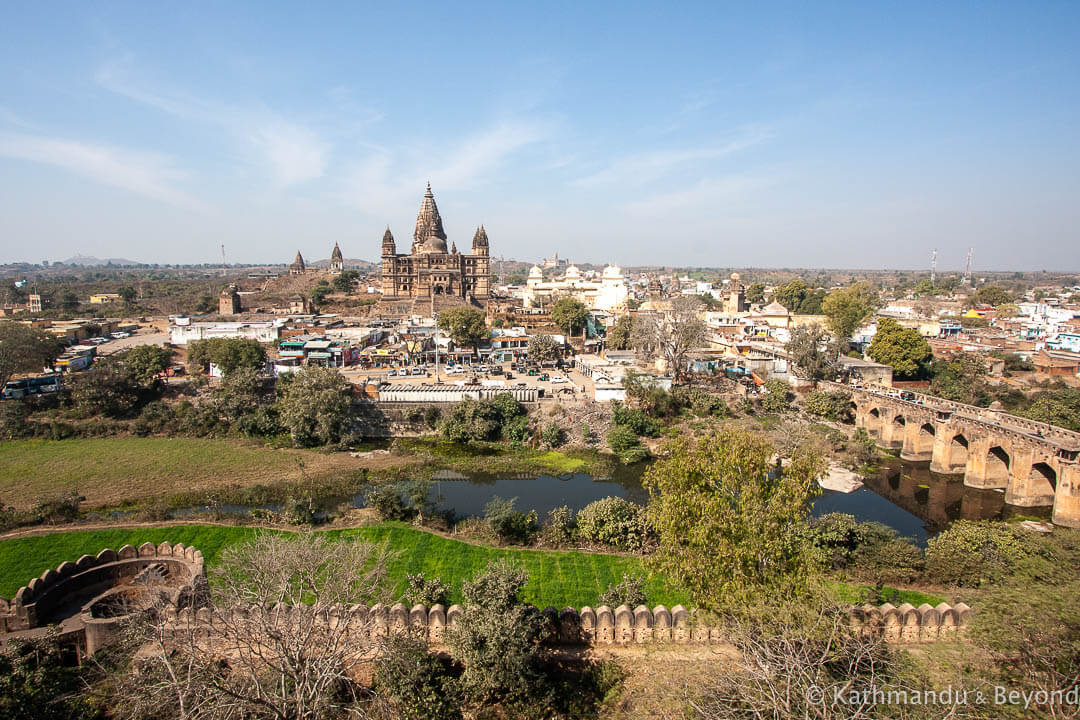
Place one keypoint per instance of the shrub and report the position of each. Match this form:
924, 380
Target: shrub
156, 417
59, 509
552, 435
387, 502
518, 430
426, 591
777, 400
14, 420
613, 521
417, 685
431, 416
631, 592
866, 549
636, 420
831, 405
974, 553
508, 524
562, 522
472, 421
298, 510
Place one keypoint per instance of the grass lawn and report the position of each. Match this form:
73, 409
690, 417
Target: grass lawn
492, 457
111, 471
555, 578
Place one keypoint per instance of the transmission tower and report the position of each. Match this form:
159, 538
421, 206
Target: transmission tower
967, 268
933, 267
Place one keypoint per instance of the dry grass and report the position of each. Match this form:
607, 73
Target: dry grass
112, 471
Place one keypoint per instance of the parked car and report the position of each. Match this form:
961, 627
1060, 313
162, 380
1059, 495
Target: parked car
558, 379
521, 384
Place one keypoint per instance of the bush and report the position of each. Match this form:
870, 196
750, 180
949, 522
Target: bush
518, 430
298, 510
14, 420
630, 592
417, 685
635, 420
472, 421
777, 400
974, 553
60, 509
387, 502
431, 416
552, 435
156, 418
562, 522
426, 591
508, 524
613, 521
831, 405
866, 549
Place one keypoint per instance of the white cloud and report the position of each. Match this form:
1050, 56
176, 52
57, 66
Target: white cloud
149, 174
702, 195
289, 152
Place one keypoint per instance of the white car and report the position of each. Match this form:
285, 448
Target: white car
558, 379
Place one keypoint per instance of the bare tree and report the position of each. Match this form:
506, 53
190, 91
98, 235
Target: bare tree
814, 668
280, 642
672, 333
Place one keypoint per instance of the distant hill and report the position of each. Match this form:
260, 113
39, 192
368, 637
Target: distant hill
87, 260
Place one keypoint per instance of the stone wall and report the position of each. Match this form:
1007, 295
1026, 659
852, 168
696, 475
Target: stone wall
626, 626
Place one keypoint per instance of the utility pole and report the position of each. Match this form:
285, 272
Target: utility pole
223, 271
933, 267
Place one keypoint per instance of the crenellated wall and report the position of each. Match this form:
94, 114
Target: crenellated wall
627, 626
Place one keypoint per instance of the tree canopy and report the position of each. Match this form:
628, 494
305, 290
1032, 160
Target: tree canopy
228, 354
992, 295
673, 333
620, 336
811, 352
904, 349
25, 349
729, 529
543, 348
800, 298
147, 361
465, 325
315, 405
569, 315
848, 308
755, 293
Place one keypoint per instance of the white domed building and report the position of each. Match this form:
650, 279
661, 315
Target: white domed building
608, 294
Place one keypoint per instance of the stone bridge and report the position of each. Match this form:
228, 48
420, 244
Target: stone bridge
1034, 463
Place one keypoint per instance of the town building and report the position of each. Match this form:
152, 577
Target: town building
554, 262
609, 293
104, 298
432, 270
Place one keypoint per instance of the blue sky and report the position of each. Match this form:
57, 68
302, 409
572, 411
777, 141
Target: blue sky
726, 134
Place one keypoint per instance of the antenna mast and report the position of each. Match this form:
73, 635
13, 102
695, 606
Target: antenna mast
933, 267
967, 268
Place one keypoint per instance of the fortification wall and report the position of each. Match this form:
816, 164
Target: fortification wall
625, 625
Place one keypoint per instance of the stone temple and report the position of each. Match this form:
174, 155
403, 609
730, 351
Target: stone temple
430, 270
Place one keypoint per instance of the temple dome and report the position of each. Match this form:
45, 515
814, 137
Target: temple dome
612, 272
536, 272
572, 272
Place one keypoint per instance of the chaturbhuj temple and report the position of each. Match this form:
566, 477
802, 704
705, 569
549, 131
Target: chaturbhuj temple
430, 269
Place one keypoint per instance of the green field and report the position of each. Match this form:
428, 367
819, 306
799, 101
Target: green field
111, 471
555, 578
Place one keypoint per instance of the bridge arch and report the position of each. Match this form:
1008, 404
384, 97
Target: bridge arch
1043, 479
873, 422
958, 456
998, 465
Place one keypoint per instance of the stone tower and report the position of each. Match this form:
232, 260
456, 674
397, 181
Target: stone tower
297, 267
337, 262
736, 299
480, 250
229, 302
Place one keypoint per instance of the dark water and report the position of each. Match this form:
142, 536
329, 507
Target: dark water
907, 497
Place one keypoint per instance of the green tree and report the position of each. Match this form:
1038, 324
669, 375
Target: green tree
1060, 407
543, 348
316, 406
1007, 310
811, 303
465, 326
497, 639
319, 293
69, 301
108, 388
992, 295
569, 315
811, 352
731, 530
960, 378
127, 293
146, 361
228, 354
36, 681
791, 294
904, 349
620, 336
345, 280
25, 349
848, 308
755, 293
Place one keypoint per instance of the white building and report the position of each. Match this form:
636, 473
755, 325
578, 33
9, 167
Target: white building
609, 293
264, 332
